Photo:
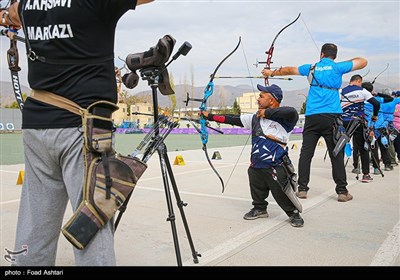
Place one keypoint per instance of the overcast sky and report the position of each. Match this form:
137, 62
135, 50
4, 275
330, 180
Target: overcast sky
368, 29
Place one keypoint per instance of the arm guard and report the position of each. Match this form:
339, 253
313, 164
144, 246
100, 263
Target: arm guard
229, 119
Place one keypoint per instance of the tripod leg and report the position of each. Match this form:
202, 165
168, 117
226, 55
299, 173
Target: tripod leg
375, 160
180, 203
171, 215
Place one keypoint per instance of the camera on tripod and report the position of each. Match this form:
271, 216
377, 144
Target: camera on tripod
151, 64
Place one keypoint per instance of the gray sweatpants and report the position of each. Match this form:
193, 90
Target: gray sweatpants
53, 175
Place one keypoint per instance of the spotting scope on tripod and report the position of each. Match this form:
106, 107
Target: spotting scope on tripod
153, 68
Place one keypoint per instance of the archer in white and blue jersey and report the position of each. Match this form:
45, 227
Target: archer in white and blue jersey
269, 160
353, 97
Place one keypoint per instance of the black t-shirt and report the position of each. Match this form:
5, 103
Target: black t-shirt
70, 30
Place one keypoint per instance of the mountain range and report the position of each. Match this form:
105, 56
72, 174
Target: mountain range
7, 94
223, 96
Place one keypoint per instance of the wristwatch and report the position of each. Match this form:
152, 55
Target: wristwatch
3, 18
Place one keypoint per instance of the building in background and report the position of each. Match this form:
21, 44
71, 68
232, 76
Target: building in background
121, 115
142, 121
248, 102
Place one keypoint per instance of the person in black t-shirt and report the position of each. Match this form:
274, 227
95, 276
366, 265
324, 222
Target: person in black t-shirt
73, 43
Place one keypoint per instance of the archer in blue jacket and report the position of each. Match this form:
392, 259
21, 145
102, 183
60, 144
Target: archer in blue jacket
383, 125
323, 113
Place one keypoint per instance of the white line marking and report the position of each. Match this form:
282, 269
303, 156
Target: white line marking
254, 233
9, 201
389, 250
190, 172
8, 171
202, 194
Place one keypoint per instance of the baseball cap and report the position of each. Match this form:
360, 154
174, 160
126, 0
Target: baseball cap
274, 90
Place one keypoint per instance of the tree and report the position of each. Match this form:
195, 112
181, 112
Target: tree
236, 108
14, 105
172, 97
303, 108
223, 110
123, 96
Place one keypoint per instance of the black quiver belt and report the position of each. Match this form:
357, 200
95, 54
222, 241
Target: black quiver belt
338, 129
340, 137
109, 178
290, 172
290, 185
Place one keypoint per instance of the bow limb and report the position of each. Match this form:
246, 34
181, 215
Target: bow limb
271, 48
204, 139
387, 66
365, 74
208, 91
213, 168
13, 61
225, 58
12, 52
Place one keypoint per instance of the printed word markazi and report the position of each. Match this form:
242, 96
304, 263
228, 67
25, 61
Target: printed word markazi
58, 31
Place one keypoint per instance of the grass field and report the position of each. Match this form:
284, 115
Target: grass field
11, 147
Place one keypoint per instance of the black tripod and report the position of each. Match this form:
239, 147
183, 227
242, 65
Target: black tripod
152, 76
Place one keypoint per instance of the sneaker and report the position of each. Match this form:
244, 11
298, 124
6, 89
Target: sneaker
394, 164
388, 167
301, 194
344, 197
366, 178
376, 171
256, 213
296, 220
356, 171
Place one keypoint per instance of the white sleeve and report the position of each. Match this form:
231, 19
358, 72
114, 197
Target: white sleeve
367, 95
246, 120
